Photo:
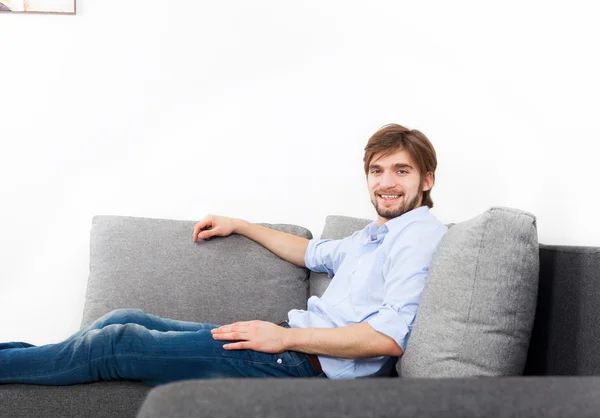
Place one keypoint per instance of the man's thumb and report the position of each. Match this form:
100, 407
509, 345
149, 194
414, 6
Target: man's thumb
208, 233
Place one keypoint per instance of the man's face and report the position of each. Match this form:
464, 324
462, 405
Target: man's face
395, 185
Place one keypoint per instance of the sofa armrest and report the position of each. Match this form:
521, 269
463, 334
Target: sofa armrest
377, 397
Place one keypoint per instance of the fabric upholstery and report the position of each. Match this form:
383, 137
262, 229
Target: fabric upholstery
566, 333
478, 307
90, 400
548, 397
153, 265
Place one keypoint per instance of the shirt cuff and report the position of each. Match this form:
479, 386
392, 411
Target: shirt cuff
309, 252
391, 323
309, 257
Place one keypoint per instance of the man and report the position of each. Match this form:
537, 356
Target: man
357, 328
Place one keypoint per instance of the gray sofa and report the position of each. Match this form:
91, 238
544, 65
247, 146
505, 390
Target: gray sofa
152, 264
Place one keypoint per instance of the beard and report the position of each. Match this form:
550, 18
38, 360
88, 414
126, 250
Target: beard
393, 212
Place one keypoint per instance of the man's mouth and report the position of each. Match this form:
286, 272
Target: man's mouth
389, 197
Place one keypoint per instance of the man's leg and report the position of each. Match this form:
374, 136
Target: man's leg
138, 316
128, 316
132, 352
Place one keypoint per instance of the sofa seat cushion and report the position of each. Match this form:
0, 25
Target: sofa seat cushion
477, 309
90, 400
372, 397
153, 265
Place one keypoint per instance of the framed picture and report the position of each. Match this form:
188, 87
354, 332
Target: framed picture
38, 6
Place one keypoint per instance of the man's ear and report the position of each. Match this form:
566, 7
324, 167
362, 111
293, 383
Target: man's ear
428, 181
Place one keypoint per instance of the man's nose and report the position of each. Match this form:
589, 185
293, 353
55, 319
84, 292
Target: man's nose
387, 180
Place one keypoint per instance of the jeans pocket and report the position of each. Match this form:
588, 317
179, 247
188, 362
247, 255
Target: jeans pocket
290, 359
305, 364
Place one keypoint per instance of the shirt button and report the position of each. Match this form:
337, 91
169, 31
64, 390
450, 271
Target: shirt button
279, 361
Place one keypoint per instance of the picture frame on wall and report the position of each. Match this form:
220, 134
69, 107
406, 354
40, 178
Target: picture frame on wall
38, 6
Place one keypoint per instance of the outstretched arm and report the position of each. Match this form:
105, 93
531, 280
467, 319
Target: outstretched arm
289, 247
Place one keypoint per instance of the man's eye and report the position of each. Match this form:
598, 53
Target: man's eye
403, 171
373, 171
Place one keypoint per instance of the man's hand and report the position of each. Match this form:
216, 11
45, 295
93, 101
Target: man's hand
213, 225
262, 336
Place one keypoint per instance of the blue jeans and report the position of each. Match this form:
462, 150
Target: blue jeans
129, 344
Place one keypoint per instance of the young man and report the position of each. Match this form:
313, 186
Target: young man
357, 328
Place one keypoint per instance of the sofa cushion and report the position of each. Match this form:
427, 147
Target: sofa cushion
478, 307
153, 265
544, 397
90, 400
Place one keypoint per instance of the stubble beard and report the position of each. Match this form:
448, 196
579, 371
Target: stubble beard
391, 213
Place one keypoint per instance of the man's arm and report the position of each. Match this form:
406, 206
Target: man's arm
289, 247
351, 341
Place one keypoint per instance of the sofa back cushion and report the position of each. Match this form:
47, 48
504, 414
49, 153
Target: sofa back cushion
478, 307
153, 265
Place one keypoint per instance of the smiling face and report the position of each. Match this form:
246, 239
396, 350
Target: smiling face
395, 185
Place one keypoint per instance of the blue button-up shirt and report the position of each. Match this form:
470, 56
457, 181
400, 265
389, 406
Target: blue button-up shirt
378, 277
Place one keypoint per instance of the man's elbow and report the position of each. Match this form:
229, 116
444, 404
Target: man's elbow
387, 346
395, 350
390, 347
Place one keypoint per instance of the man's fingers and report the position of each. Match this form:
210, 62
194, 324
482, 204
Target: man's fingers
199, 230
231, 336
236, 326
238, 346
207, 233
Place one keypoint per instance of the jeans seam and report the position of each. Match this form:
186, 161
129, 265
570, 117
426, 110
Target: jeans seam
151, 357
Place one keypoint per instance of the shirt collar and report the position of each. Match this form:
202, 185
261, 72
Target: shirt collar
375, 233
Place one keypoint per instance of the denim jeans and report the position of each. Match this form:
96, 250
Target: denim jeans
129, 344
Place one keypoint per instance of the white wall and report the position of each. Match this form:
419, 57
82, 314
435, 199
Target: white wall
262, 109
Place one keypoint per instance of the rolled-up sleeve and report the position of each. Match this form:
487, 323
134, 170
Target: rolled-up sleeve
326, 255
405, 273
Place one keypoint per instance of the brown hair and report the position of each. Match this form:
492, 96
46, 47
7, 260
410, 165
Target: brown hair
393, 137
